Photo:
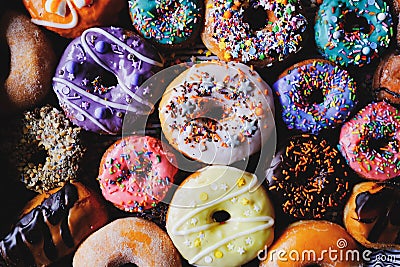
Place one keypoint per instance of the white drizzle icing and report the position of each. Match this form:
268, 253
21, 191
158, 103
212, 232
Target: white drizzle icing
269, 221
68, 25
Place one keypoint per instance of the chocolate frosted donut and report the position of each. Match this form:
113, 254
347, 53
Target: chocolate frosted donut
307, 178
98, 77
386, 83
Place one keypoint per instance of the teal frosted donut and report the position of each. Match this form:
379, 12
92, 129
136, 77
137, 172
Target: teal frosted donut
167, 22
353, 32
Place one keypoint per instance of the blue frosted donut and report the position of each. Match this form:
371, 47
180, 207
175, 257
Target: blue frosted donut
353, 32
315, 95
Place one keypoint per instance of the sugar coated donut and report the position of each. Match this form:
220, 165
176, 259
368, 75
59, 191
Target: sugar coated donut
47, 129
370, 142
372, 215
308, 178
386, 82
52, 226
70, 18
353, 32
315, 95
220, 216
169, 23
32, 61
253, 31
313, 243
98, 78
217, 112
136, 173
127, 240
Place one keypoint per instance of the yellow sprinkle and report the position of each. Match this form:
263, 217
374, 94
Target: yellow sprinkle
245, 201
241, 182
218, 254
197, 242
203, 196
248, 43
222, 45
208, 53
227, 55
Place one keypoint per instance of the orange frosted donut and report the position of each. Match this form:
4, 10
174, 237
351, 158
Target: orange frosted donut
128, 240
313, 243
69, 18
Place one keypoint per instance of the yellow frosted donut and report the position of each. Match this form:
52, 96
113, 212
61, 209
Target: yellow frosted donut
220, 216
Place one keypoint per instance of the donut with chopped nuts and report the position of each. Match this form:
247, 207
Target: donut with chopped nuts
46, 129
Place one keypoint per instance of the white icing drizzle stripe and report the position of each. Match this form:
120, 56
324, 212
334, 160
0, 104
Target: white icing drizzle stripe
120, 43
95, 98
69, 25
101, 126
226, 240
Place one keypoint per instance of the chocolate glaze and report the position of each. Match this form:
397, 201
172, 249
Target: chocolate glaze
33, 229
386, 90
380, 208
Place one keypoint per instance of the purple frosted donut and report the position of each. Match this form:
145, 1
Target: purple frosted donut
97, 80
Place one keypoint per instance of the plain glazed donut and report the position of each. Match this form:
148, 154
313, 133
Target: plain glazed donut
69, 18
252, 31
98, 78
353, 32
315, 95
370, 142
217, 112
372, 215
220, 216
127, 240
52, 226
32, 62
313, 243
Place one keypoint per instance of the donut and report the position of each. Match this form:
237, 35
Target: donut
255, 32
313, 243
136, 173
46, 131
370, 142
169, 24
217, 113
52, 226
315, 95
372, 215
386, 79
69, 18
97, 79
383, 257
220, 216
27, 74
308, 178
353, 33
127, 240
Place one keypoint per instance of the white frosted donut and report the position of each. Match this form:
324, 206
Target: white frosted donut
220, 216
217, 113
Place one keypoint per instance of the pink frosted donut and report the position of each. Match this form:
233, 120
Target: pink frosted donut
371, 142
136, 173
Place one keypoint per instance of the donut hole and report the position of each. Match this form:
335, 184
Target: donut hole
316, 96
353, 23
256, 17
379, 144
128, 265
38, 156
106, 80
5, 61
313, 265
221, 216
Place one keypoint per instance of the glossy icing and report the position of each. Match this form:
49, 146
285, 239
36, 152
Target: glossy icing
203, 240
353, 32
167, 22
279, 36
217, 113
386, 84
98, 78
370, 142
297, 88
136, 173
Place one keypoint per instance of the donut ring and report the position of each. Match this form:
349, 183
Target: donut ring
220, 216
370, 142
217, 112
127, 240
298, 85
324, 240
32, 62
254, 32
353, 32
69, 18
47, 128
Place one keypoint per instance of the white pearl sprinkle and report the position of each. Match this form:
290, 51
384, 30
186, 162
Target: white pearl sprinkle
381, 16
208, 259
